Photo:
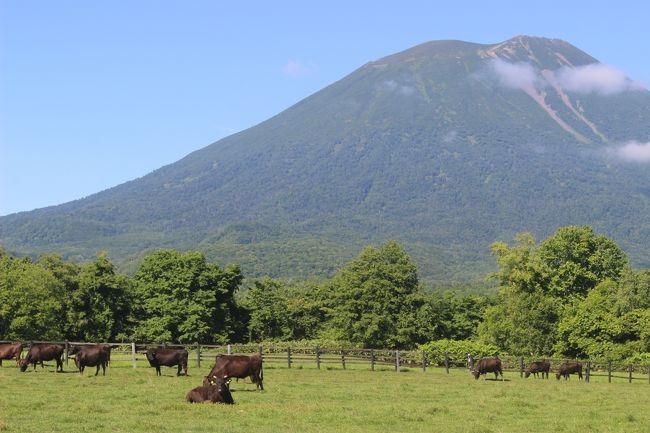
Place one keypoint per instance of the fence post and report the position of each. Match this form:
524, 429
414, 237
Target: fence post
343, 358
67, 352
372, 359
229, 350
521, 366
133, 353
424, 361
609, 371
588, 371
198, 354
397, 361
447, 362
318, 357
629, 369
289, 356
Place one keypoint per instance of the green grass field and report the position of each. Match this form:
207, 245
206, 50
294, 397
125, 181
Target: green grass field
309, 400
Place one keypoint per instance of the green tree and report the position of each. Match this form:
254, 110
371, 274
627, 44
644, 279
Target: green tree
540, 284
98, 309
370, 293
30, 301
181, 297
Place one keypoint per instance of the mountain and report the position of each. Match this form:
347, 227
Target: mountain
446, 147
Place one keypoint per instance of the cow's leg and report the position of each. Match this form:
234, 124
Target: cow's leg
178, 372
158, 373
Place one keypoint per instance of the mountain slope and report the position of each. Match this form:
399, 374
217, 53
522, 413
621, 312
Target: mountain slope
446, 146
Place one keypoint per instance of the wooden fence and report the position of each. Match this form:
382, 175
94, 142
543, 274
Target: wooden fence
346, 358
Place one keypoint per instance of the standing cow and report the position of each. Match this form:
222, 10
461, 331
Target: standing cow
239, 366
105, 347
168, 358
10, 350
487, 365
215, 391
538, 367
43, 352
91, 356
569, 368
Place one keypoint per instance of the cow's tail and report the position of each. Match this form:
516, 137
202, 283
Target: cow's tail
262, 373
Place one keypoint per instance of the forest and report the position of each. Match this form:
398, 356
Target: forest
573, 294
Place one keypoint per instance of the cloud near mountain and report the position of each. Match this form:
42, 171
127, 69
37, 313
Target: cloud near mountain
592, 78
634, 151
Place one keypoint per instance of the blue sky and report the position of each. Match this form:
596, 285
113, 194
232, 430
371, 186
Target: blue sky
96, 93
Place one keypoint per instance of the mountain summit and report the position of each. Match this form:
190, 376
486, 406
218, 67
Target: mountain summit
446, 147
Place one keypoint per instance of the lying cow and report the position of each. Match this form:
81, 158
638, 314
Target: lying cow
91, 356
239, 366
168, 358
487, 365
10, 351
216, 391
538, 367
569, 368
43, 352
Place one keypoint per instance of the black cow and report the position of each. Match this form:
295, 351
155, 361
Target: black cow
239, 366
569, 368
538, 367
168, 358
10, 350
91, 356
487, 365
43, 352
216, 391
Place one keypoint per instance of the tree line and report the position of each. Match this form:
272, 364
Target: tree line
572, 294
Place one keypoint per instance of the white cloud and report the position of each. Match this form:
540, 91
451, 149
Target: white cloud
295, 69
595, 78
394, 86
520, 75
634, 151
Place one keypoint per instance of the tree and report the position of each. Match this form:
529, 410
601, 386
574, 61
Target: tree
30, 301
540, 284
369, 295
98, 308
180, 297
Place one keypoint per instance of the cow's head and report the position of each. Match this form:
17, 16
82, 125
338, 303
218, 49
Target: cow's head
557, 375
23, 364
151, 356
527, 373
476, 374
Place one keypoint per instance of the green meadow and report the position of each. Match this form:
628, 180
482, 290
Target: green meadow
310, 400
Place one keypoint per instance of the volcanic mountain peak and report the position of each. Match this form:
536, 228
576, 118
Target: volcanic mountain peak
446, 147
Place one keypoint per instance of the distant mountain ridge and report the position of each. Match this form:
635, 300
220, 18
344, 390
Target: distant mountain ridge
446, 147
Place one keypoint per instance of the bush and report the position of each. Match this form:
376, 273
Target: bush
459, 347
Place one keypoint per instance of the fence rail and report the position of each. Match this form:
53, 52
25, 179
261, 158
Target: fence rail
349, 357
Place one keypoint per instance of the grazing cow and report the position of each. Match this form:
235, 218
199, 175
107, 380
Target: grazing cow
239, 366
487, 365
168, 358
216, 391
569, 368
11, 350
43, 352
538, 367
91, 355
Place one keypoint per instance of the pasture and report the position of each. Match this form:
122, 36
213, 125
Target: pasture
308, 400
